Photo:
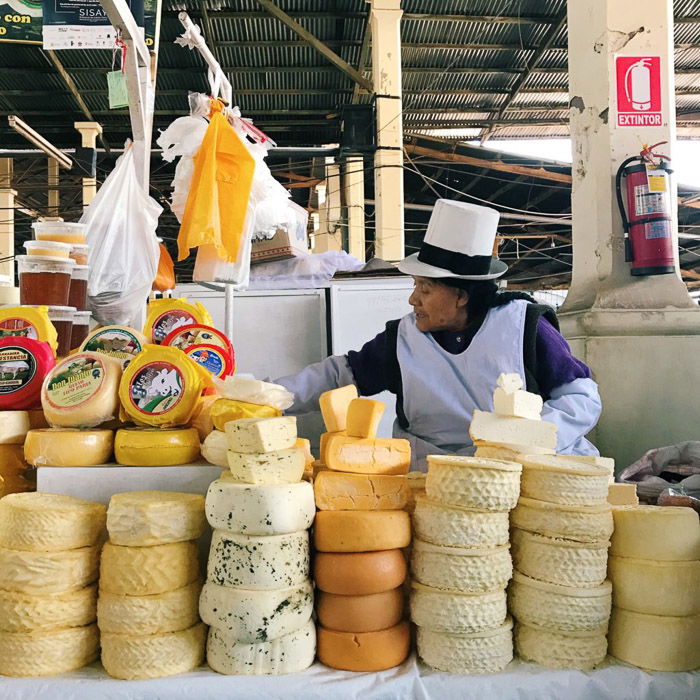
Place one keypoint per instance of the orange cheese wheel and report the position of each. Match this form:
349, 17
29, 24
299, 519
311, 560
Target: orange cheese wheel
360, 613
361, 531
364, 651
362, 573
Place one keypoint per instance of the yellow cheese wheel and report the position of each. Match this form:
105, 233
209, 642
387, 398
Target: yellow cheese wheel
359, 573
225, 410
342, 491
361, 531
367, 455
144, 447
66, 447
12, 460
367, 651
360, 613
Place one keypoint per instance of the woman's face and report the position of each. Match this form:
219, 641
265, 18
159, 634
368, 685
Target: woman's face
437, 306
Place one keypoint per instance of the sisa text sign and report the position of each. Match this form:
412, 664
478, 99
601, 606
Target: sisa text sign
638, 91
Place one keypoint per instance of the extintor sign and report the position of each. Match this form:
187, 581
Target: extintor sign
638, 91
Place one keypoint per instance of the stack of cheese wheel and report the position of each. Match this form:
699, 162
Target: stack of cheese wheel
14, 426
655, 571
359, 533
49, 561
461, 564
258, 598
149, 585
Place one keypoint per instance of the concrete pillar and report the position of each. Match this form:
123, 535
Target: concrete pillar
632, 331
388, 159
89, 131
7, 219
355, 202
54, 208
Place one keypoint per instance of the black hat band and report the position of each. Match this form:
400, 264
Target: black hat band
456, 263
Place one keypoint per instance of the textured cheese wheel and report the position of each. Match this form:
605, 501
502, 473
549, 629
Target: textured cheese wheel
361, 613
12, 460
367, 455
510, 453
275, 509
661, 533
278, 467
342, 491
655, 587
22, 612
256, 616
215, 449
416, 484
44, 573
607, 463
132, 657
288, 654
363, 417
156, 447
488, 651
334, 406
65, 447
146, 518
258, 563
148, 570
47, 522
14, 426
364, 651
361, 531
256, 435
48, 653
151, 614
655, 642
360, 573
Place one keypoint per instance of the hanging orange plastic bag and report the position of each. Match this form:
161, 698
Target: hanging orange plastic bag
218, 199
165, 277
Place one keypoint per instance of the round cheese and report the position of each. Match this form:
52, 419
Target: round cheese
359, 573
488, 651
146, 518
461, 570
156, 447
201, 420
215, 449
12, 460
508, 452
24, 363
148, 570
660, 533
151, 614
14, 426
473, 482
132, 657
166, 315
256, 616
66, 447
258, 563
288, 654
218, 361
459, 527
343, 491
120, 342
367, 652
275, 509
22, 612
47, 522
48, 653
361, 613
28, 322
361, 531
226, 410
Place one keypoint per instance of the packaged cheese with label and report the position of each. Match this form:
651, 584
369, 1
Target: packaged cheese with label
245, 388
30, 322
24, 363
185, 337
117, 341
167, 315
217, 361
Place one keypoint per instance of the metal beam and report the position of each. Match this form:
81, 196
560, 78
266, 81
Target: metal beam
364, 54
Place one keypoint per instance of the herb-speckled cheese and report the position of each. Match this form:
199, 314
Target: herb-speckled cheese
254, 435
278, 467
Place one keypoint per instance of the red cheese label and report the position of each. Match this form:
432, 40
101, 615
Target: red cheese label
156, 388
17, 368
24, 362
214, 359
17, 328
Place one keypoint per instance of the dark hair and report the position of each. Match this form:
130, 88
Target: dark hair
482, 295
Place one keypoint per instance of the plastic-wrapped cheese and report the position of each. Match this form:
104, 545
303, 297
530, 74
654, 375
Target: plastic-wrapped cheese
156, 447
120, 342
215, 449
24, 363
226, 410
14, 426
68, 447
165, 315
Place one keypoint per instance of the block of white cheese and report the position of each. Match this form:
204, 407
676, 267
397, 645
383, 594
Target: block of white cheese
509, 382
288, 654
256, 616
47, 522
518, 404
277, 467
145, 518
215, 449
255, 435
258, 563
492, 428
273, 509
14, 426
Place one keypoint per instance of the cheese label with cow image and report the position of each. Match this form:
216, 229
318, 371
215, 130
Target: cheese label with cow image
117, 341
156, 388
23, 365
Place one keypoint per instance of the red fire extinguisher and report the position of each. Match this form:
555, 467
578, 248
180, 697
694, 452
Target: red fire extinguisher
647, 218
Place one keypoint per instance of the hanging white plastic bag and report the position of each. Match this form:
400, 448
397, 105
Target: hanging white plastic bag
121, 224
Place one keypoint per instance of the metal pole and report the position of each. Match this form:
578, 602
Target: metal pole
228, 305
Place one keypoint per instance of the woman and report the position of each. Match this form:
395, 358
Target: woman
442, 361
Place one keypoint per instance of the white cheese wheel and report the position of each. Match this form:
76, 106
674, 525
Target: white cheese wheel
275, 509
473, 482
151, 614
48, 653
459, 527
256, 616
655, 587
565, 608
44, 573
22, 612
288, 654
507, 451
278, 467
655, 642
132, 657
488, 651
558, 649
457, 613
256, 435
148, 570
67, 447
14, 426
660, 533
580, 523
215, 449
461, 570
145, 518
568, 563
47, 522
258, 563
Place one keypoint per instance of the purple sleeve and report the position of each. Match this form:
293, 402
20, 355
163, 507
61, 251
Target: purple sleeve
368, 366
555, 363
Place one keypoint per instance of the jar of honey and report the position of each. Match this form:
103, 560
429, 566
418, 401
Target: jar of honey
44, 280
77, 295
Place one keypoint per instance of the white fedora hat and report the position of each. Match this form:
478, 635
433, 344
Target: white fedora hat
458, 243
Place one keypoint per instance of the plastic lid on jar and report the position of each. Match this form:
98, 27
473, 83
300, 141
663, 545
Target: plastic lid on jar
82, 318
80, 272
52, 249
59, 313
44, 263
71, 228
